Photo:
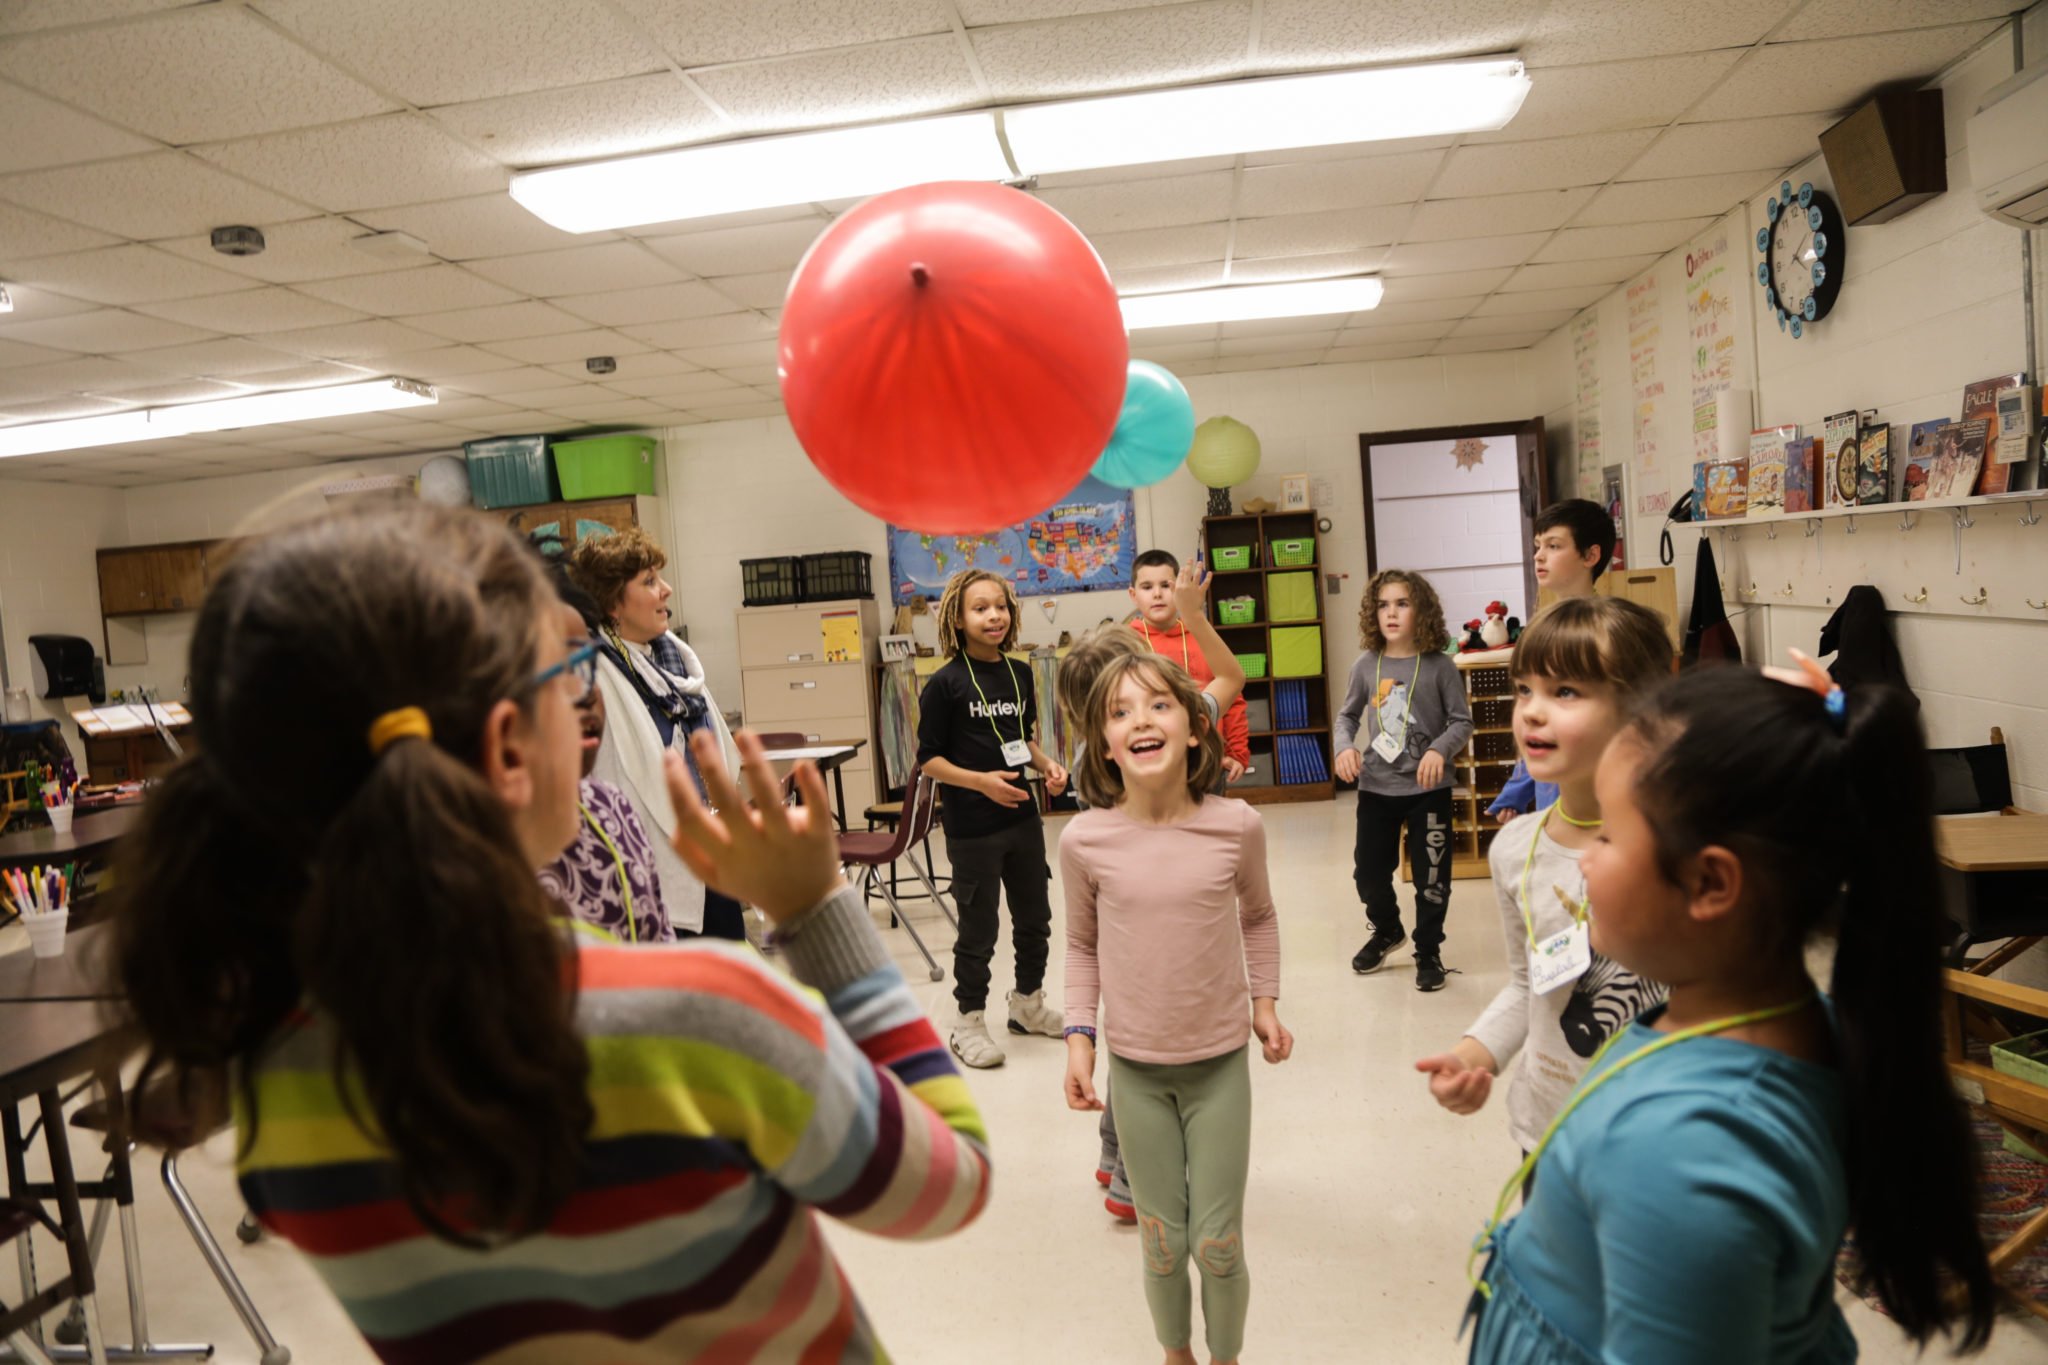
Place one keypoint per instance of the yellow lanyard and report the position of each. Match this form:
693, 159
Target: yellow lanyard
1484, 1241
1407, 710
618, 865
1146, 632
988, 710
1529, 861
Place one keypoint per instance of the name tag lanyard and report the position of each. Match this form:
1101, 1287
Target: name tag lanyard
1144, 630
1022, 740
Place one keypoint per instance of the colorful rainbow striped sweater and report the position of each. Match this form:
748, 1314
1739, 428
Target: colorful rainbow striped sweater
732, 1108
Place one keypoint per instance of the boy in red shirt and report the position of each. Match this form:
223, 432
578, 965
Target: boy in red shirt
1152, 578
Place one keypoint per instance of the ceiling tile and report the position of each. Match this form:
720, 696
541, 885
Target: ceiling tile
1586, 243
851, 85
455, 405
1565, 274
1763, 144
711, 412
14, 354
614, 118
253, 310
505, 384
503, 322
1549, 163
1162, 246
1145, 203
1418, 310
734, 353
192, 75
1451, 285
1520, 341
701, 32
1839, 18
24, 234
1400, 350
163, 194
309, 249
1648, 201
481, 225
307, 374
661, 304
1514, 324
31, 304
448, 362
1302, 234
106, 330
649, 365
1494, 215
396, 293
677, 385
1166, 355
373, 163
1472, 253
1317, 342
1149, 170
1544, 300
580, 270
740, 251
1601, 31
439, 54
552, 395
1124, 50
1350, 151
86, 374
190, 391
1373, 330
562, 346
1306, 266
1342, 32
1359, 182
762, 289
26, 16
1832, 75
127, 274
615, 411
42, 132
56, 409
1154, 279
981, 13
230, 358
1648, 93
697, 333
363, 341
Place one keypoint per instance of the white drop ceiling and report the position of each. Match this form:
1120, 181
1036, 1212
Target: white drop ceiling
134, 127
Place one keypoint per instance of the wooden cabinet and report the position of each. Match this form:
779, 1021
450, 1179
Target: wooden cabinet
1482, 768
575, 522
144, 580
788, 686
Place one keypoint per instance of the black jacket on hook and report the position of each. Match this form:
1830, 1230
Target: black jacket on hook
1709, 639
1859, 635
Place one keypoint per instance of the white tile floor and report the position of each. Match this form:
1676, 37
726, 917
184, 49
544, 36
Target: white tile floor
1363, 1196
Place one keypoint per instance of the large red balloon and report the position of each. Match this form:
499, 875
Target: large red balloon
952, 355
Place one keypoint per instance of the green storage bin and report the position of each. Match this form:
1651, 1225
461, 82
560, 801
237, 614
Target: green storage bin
1297, 651
1293, 554
606, 466
2027, 1058
1230, 557
1291, 597
1237, 611
510, 471
1254, 665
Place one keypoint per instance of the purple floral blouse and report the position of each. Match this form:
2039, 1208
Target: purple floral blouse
585, 879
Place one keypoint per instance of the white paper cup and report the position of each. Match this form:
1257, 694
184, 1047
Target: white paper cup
60, 818
46, 933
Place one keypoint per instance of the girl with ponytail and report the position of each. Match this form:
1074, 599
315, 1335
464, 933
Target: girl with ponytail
331, 913
1694, 1191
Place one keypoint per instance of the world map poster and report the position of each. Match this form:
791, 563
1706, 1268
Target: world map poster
1083, 543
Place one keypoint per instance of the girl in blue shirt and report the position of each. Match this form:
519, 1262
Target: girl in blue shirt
1690, 1199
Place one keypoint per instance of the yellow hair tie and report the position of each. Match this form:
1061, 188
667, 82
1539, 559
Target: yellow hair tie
406, 722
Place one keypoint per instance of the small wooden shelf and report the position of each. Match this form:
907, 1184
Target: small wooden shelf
1258, 531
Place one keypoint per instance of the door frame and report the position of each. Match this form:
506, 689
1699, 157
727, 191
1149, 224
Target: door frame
1532, 478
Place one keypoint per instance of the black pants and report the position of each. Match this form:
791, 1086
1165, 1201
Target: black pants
723, 918
1011, 860
1376, 856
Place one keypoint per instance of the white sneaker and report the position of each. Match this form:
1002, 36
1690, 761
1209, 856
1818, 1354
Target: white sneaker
1030, 1014
971, 1044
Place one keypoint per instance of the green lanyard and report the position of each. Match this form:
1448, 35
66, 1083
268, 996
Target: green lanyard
618, 865
988, 710
1407, 710
1484, 1241
1528, 919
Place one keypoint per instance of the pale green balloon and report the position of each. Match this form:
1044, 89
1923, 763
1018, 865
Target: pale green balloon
1225, 452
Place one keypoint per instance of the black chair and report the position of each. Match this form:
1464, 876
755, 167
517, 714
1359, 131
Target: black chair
872, 852
1984, 906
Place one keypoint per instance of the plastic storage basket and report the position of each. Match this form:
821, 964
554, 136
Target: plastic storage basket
1291, 597
1254, 665
606, 466
834, 576
2026, 1057
1237, 611
1297, 651
1230, 556
1293, 554
510, 471
771, 582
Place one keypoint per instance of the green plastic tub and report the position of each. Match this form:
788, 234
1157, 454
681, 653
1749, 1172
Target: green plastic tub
606, 466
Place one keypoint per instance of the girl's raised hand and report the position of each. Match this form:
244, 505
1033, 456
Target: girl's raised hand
1081, 1073
1457, 1087
783, 860
1191, 590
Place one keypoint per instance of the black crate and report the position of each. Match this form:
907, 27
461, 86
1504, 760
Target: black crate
835, 576
1495, 748
772, 582
1492, 713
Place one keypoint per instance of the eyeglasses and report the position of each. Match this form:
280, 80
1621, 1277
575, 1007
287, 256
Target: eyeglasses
581, 666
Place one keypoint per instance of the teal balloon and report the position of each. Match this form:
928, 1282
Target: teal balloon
1153, 434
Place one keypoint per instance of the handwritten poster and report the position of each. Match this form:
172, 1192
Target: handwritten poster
1586, 412
1646, 383
1710, 320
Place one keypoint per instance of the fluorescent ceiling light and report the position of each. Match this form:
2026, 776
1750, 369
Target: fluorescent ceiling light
759, 173
223, 414
1236, 303
1264, 115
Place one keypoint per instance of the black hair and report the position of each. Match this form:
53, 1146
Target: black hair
1591, 528
555, 555
1154, 559
1837, 829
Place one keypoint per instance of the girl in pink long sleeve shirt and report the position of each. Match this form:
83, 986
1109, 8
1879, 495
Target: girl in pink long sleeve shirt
1170, 922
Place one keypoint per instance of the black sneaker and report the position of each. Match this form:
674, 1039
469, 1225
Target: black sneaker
1429, 970
1373, 955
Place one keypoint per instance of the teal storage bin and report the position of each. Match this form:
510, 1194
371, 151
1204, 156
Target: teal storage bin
1293, 554
510, 471
1291, 597
606, 466
1297, 651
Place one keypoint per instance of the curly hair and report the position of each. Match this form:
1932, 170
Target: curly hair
1096, 773
1431, 635
953, 609
604, 565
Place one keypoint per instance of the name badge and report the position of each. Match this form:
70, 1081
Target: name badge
1387, 747
1559, 959
1017, 753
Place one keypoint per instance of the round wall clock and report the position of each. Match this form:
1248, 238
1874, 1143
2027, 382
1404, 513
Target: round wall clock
1803, 252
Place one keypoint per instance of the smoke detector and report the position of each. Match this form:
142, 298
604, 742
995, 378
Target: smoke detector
600, 364
238, 241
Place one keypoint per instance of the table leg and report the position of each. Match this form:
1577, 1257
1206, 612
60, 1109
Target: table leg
56, 1139
839, 796
17, 1185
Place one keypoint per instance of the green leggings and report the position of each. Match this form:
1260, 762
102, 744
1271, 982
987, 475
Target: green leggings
1186, 1132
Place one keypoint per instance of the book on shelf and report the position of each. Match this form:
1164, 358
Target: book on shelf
1874, 464
1919, 466
1980, 401
1727, 488
1767, 468
1801, 457
1958, 457
1838, 460
2014, 442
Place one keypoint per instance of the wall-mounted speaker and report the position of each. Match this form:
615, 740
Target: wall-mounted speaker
1888, 157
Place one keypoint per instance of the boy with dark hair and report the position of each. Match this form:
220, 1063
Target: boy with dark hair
1574, 545
1152, 578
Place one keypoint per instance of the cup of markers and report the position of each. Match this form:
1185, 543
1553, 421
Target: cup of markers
57, 805
42, 897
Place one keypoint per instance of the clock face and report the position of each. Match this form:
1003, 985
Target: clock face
1793, 258
1803, 249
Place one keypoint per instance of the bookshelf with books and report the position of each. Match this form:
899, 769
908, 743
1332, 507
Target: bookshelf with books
1267, 604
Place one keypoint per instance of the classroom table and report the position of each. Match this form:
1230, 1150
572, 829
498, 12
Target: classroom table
89, 843
79, 974
830, 755
1992, 872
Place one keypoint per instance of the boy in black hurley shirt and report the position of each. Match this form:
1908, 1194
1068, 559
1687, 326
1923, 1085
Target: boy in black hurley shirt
975, 733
